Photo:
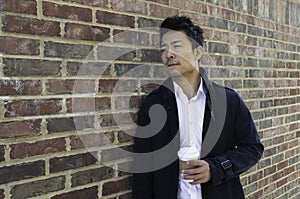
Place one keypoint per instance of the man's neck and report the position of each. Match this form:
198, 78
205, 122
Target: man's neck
189, 85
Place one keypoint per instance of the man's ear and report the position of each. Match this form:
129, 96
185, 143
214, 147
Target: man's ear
198, 52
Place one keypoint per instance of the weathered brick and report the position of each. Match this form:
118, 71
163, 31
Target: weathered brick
146, 23
71, 162
132, 70
116, 186
30, 26
26, 7
32, 107
20, 128
22, 171
22, 150
113, 154
165, 2
237, 27
117, 119
114, 19
131, 37
90, 193
124, 137
92, 175
91, 140
88, 104
19, 46
66, 12
63, 50
57, 125
217, 23
127, 5
116, 86
2, 153
20, 87
88, 69
150, 55
96, 3
31, 67
70, 86
115, 53
37, 188
127, 102
232, 61
83, 32
218, 47
162, 11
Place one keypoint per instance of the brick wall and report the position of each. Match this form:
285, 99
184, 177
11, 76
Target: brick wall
60, 119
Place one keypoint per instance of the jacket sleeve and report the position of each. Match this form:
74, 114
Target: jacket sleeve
246, 153
142, 182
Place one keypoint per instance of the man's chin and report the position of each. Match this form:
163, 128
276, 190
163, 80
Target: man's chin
174, 73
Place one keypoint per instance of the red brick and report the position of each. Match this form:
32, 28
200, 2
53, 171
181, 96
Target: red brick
32, 107
162, 12
116, 86
90, 193
30, 26
114, 19
91, 140
116, 186
131, 37
20, 128
26, 6
88, 104
83, 32
20, 87
97, 3
22, 150
71, 162
165, 2
281, 182
19, 46
70, 86
66, 12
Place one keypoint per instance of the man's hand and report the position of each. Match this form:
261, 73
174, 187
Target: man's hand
200, 174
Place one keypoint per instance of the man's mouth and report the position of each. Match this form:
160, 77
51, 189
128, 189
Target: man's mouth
172, 65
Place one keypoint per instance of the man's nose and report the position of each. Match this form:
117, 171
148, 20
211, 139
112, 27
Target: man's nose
170, 54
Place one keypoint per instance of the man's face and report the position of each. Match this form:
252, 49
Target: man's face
178, 55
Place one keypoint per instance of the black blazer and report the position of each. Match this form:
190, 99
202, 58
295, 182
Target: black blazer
229, 133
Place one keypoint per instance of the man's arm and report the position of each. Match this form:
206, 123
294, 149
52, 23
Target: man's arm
247, 152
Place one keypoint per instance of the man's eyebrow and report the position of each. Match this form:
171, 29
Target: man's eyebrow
172, 42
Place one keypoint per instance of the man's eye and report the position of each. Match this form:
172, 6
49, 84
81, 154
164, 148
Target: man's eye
177, 46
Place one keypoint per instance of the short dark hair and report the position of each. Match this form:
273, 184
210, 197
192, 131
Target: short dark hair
185, 24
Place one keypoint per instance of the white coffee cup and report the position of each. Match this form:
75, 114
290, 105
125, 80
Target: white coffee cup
186, 154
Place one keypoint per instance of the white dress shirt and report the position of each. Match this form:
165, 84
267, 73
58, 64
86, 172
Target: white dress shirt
191, 114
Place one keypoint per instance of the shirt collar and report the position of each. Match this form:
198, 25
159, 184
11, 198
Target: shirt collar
201, 89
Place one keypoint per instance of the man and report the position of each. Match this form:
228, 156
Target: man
200, 114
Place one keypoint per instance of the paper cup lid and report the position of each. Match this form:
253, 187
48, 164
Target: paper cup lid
188, 153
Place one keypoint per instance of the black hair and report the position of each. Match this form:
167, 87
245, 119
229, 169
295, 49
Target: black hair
185, 24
